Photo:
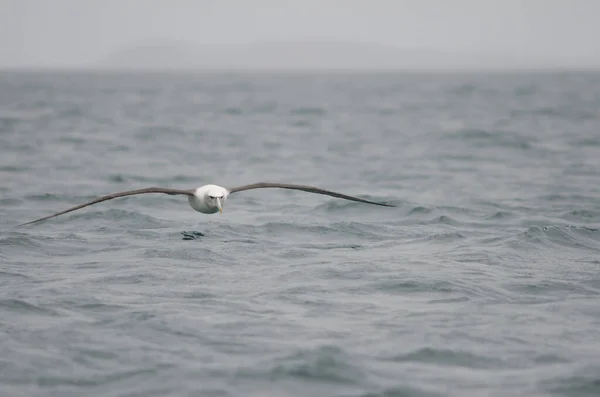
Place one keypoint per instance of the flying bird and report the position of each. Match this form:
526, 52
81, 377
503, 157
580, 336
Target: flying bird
209, 199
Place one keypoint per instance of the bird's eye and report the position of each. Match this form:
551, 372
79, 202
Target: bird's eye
211, 197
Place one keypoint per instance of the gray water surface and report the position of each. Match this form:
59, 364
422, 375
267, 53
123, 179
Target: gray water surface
483, 281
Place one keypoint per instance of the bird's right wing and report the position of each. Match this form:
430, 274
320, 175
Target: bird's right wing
116, 195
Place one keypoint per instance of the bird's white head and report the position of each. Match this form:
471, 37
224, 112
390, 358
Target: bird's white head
209, 199
216, 196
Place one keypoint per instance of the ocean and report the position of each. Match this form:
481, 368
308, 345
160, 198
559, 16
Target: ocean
484, 280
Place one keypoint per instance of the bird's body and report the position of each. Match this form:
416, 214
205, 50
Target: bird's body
209, 199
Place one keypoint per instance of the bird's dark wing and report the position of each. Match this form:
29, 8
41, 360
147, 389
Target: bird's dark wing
310, 189
116, 195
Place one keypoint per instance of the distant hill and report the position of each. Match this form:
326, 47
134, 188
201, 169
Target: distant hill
175, 55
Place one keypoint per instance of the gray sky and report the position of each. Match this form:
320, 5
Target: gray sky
68, 32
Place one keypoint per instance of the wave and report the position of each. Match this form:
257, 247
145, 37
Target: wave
492, 138
587, 215
312, 111
21, 306
564, 236
179, 178
326, 364
586, 384
341, 229
450, 358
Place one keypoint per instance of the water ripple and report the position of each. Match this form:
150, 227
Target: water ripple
484, 279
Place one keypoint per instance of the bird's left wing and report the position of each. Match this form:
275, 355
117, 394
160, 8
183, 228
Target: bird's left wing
310, 189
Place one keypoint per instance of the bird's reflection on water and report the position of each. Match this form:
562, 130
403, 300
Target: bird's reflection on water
192, 235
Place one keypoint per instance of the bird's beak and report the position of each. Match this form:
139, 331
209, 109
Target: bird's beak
220, 205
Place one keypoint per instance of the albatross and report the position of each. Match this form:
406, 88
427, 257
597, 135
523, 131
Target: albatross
209, 199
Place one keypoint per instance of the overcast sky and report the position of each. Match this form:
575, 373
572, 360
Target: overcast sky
67, 32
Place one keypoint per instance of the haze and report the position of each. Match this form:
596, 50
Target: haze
299, 34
